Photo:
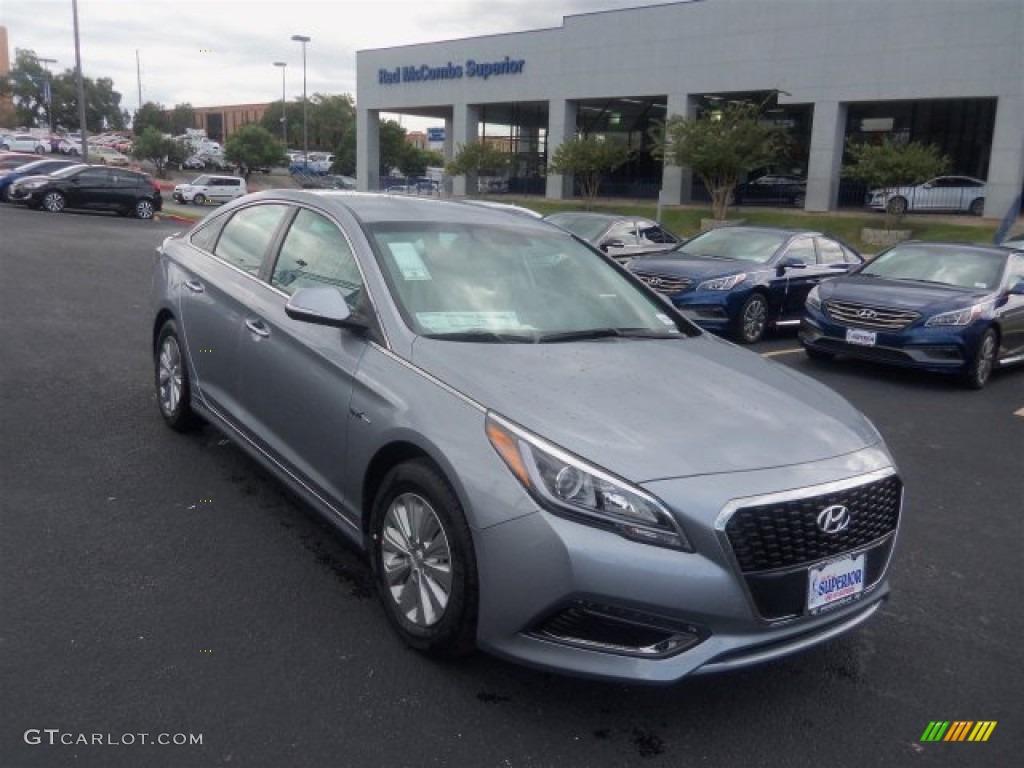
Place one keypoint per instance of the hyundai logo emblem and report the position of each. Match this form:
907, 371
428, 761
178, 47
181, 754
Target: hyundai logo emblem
832, 520
867, 314
654, 281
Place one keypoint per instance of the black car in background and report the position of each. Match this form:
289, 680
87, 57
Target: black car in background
944, 307
772, 189
621, 237
93, 187
742, 281
36, 168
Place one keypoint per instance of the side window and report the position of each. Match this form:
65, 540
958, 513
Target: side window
624, 231
803, 249
206, 236
831, 252
94, 176
247, 235
1016, 268
652, 233
315, 252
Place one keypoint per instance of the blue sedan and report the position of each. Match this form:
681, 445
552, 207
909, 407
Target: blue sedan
945, 307
744, 280
36, 168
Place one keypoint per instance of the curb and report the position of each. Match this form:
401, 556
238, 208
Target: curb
173, 217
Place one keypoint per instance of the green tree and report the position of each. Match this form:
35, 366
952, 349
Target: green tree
25, 86
253, 146
182, 116
478, 158
891, 164
719, 146
392, 145
151, 115
415, 161
590, 159
157, 148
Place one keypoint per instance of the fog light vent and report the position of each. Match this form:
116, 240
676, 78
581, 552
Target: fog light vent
618, 630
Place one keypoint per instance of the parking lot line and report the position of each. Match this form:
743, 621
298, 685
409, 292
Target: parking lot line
777, 352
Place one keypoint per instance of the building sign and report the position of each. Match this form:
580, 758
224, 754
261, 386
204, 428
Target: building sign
472, 68
435, 135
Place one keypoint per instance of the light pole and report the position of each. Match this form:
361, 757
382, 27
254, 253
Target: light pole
284, 105
305, 125
80, 87
48, 92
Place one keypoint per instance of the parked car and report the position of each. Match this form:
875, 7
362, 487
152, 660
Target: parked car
192, 163
943, 193
621, 237
317, 164
508, 207
23, 142
772, 189
90, 186
35, 168
944, 307
108, 156
66, 147
210, 189
538, 456
331, 181
743, 281
10, 160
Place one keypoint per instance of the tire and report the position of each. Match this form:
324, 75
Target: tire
421, 548
752, 321
40, 150
144, 209
173, 391
5, 147
819, 354
799, 200
54, 201
897, 206
979, 370
977, 207
199, 199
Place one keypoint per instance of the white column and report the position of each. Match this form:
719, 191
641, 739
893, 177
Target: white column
676, 180
1006, 163
825, 160
367, 150
561, 128
466, 126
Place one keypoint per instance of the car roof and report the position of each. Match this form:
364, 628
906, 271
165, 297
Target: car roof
373, 207
791, 232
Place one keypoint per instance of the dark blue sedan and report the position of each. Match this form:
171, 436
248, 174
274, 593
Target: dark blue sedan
946, 307
744, 280
36, 168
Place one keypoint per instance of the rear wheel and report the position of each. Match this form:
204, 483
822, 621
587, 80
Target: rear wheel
423, 561
979, 370
897, 206
977, 207
752, 322
173, 392
54, 202
199, 199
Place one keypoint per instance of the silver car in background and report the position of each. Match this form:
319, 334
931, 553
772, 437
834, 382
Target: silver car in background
538, 455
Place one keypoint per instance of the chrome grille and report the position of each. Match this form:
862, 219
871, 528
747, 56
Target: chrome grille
665, 283
867, 316
786, 534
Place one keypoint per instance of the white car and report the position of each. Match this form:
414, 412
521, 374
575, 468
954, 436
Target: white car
210, 189
943, 193
23, 142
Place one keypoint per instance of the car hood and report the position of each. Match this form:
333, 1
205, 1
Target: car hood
648, 409
899, 294
693, 267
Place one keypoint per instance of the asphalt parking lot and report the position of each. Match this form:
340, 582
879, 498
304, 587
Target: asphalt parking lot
161, 584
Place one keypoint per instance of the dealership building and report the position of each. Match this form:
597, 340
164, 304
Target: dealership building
942, 72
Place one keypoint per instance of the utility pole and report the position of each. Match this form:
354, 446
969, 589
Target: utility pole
81, 87
138, 76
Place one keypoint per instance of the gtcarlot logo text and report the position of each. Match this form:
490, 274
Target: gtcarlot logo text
55, 736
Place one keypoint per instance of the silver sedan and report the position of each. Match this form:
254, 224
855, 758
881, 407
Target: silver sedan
538, 455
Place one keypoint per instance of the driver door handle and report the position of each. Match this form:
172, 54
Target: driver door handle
194, 285
258, 327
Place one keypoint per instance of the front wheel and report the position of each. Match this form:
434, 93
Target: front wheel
423, 561
753, 319
199, 199
977, 207
173, 391
54, 202
144, 209
897, 206
979, 370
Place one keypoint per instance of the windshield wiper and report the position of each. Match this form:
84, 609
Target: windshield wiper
604, 333
480, 334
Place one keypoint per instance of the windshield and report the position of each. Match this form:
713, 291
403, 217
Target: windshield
960, 267
734, 243
465, 282
586, 227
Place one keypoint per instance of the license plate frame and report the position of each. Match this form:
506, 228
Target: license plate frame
836, 582
860, 337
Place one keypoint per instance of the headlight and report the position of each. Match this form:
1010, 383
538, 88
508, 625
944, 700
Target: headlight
814, 298
722, 283
964, 316
35, 184
568, 486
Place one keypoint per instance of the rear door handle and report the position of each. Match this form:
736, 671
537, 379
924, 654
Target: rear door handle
194, 285
258, 327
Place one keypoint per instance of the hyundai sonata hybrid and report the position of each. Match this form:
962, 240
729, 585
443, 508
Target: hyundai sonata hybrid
539, 456
944, 307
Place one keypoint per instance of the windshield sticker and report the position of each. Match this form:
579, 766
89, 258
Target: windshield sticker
409, 262
447, 322
665, 319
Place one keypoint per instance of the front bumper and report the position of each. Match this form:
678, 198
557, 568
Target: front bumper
591, 603
940, 349
711, 310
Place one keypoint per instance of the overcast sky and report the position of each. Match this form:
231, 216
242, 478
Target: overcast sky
212, 52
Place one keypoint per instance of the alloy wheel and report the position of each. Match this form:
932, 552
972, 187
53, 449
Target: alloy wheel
171, 375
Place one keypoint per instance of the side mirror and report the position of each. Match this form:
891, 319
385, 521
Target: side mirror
791, 262
323, 305
1017, 289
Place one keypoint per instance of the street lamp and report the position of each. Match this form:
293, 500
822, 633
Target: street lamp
305, 125
48, 92
284, 105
